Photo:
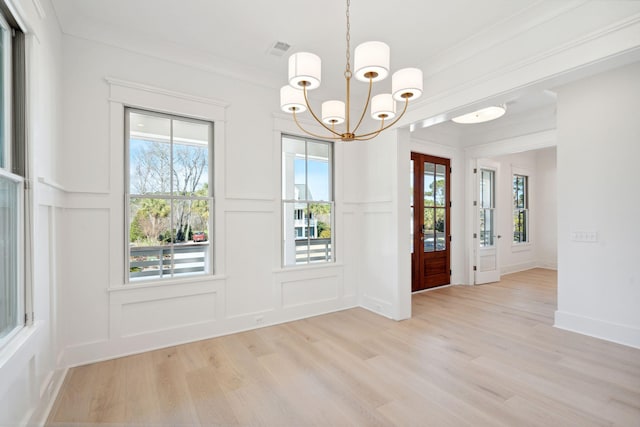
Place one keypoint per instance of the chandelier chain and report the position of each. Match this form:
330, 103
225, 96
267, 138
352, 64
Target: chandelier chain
347, 72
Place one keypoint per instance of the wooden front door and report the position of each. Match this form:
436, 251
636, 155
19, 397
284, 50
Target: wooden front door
431, 224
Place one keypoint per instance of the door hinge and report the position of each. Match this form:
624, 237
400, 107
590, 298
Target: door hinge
450, 273
475, 170
475, 203
28, 318
474, 268
475, 236
450, 238
450, 204
450, 169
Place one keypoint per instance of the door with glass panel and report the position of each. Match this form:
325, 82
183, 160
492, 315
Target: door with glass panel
487, 265
430, 223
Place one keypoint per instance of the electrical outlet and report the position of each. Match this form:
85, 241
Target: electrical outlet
584, 236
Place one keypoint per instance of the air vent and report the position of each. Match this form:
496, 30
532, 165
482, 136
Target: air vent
279, 48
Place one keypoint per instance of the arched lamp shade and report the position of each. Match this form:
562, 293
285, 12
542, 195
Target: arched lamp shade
304, 69
333, 112
371, 60
481, 116
383, 107
406, 83
292, 100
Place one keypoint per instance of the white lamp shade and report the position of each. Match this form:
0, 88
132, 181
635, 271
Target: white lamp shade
333, 112
383, 107
406, 83
292, 100
304, 69
481, 116
371, 59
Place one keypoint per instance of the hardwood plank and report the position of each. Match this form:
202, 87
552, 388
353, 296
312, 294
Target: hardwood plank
470, 355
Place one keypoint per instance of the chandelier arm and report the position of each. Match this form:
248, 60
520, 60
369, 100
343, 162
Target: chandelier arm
306, 100
295, 119
404, 110
373, 134
364, 111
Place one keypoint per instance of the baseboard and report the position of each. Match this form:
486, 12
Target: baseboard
614, 332
516, 268
114, 348
549, 265
48, 398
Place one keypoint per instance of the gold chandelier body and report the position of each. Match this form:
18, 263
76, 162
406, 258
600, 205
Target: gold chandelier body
371, 65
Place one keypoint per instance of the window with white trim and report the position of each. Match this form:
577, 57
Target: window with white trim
520, 208
307, 201
12, 177
169, 196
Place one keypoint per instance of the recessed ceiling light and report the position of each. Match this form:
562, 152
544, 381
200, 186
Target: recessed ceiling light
482, 115
140, 125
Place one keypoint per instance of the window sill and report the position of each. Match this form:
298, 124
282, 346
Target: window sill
521, 247
17, 342
169, 282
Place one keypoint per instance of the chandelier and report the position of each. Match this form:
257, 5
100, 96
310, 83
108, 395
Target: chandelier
371, 64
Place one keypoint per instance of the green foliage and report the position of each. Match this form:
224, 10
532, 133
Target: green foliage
324, 230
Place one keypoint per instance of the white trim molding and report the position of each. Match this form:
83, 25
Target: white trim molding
615, 332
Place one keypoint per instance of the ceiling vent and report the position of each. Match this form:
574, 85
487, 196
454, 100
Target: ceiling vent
279, 48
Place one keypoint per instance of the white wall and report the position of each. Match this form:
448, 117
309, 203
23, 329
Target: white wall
546, 213
100, 317
598, 152
28, 376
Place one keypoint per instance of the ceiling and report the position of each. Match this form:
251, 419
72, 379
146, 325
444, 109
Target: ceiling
235, 38
238, 34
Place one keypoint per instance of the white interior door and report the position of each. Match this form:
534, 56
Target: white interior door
487, 266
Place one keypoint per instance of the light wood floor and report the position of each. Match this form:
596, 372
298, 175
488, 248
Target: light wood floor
484, 355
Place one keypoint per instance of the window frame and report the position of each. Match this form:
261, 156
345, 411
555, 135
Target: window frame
516, 210
210, 260
13, 165
331, 202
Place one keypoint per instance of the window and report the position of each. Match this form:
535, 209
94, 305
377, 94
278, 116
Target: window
520, 209
487, 207
12, 171
307, 201
169, 195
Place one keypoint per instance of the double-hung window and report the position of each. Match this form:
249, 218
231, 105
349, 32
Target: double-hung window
169, 196
307, 201
12, 173
520, 208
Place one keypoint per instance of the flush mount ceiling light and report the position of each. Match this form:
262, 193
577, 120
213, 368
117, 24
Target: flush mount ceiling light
482, 115
371, 64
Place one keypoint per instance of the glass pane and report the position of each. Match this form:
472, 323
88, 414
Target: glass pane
319, 223
318, 182
441, 187
486, 227
429, 229
9, 286
190, 256
520, 217
441, 228
190, 158
486, 188
149, 154
294, 169
429, 183
149, 238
